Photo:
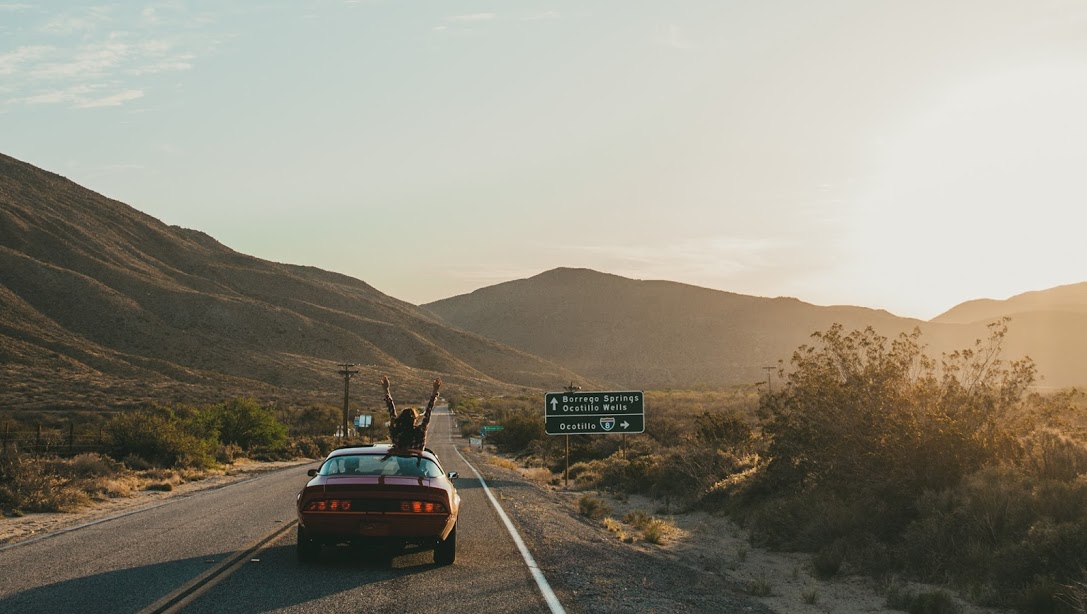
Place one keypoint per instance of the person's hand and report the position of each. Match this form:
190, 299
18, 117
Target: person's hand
385, 382
437, 384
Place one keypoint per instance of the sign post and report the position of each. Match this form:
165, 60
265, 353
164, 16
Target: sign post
593, 413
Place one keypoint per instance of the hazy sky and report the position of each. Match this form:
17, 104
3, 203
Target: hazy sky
900, 155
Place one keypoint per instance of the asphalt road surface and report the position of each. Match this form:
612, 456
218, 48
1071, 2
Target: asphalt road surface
232, 550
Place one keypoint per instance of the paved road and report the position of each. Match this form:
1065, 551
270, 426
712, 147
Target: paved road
137, 562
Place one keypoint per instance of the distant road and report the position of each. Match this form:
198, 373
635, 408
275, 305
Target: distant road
207, 541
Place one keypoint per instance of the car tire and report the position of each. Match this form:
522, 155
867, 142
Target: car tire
446, 551
308, 549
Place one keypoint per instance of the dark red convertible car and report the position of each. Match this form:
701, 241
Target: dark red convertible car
378, 494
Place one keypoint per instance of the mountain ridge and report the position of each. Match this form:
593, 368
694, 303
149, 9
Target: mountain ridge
707, 337
124, 305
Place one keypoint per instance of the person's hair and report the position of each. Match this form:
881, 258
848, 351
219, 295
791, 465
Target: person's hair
408, 416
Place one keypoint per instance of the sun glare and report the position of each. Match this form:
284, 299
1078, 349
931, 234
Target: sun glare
980, 194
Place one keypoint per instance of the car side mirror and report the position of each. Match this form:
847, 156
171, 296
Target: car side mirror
311, 472
453, 475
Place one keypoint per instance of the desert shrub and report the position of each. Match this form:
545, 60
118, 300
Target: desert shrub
313, 420
245, 423
90, 465
687, 473
30, 485
725, 430
760, 587
827, 562
136, 462
520, 431
1061, 501
226, 453
159, 437
656, 530
592, 507
312, 446
921, 602
1053, 456
861, 415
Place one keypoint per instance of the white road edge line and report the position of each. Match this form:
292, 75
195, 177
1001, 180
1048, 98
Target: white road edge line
541, 581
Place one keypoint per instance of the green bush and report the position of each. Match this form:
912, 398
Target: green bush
520, 431
245, 423
157, 436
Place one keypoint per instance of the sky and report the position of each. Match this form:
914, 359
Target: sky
905, 156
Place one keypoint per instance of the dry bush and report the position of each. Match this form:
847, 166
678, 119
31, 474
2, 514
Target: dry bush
654, 530
540, 475
592, 507
505, 463
657, 530
29, 485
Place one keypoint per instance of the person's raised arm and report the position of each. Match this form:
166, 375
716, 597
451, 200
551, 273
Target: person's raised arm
388, 397
430, 405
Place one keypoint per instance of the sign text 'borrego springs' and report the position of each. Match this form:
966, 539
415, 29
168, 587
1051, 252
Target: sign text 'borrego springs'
574, 413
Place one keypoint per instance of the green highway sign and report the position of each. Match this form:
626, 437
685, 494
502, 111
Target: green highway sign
594, 413
491, 427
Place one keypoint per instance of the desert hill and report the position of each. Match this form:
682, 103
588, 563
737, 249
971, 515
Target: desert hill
101, 304
653, 334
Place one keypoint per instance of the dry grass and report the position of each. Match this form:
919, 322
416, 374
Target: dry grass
540, 475
654, 530
505, 463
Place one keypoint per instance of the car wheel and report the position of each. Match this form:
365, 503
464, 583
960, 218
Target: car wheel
308, 550
446, 551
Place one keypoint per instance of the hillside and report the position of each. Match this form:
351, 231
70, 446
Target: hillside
102, 305
659, 334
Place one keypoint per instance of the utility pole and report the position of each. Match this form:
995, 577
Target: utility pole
346, 372
769, 385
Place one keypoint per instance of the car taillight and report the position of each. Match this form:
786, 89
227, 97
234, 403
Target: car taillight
329, 505
422, 507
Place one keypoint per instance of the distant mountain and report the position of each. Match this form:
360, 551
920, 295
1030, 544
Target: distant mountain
656, 334
1049, 325
1062, 299
102, 305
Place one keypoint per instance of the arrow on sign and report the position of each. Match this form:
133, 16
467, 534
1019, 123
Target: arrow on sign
624, 424
554, 404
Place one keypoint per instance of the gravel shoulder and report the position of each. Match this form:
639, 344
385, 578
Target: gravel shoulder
704, 563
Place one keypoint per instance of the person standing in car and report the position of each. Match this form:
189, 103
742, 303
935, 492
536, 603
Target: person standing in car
403, 431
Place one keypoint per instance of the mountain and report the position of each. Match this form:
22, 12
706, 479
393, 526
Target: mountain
1049, 325
102, 305
658, 334
1071, 299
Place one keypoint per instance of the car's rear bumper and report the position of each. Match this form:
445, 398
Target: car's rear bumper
364, 525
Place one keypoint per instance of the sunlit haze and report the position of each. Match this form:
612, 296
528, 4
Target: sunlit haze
904, 156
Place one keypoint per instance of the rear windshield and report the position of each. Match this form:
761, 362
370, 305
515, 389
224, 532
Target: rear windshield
376, 464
